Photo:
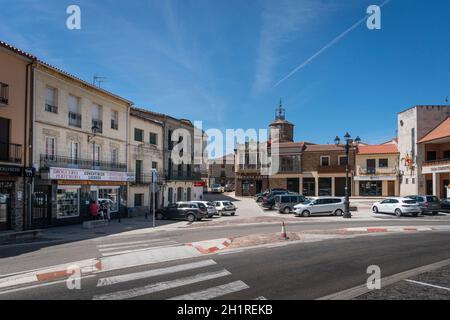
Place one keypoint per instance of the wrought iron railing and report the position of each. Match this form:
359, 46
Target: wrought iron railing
48, 161
436, 162
98, 124
10, 152
50, 108
74, 119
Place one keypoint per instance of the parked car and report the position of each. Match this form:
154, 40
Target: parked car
268, 203
285, 203
229, 188
182, 210
211, 210
269, 193
428, 204
445, 205
216, 188
225, 207
321, 206
397, 206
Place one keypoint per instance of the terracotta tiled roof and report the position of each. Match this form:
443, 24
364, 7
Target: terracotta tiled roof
17, 50
323, 147
378, 149
440, 132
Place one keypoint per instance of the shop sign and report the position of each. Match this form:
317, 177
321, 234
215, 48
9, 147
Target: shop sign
89, 175
6, 185
375, 178
30, 172
11, 171
199, 184
436, 169
91, 183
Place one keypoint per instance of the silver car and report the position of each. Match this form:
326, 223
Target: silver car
321, 206
210, 207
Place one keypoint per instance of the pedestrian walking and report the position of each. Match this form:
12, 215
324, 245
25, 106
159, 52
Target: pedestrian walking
94, 210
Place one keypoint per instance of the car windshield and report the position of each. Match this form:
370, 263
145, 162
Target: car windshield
211, 204
227, 203
216, 186
409, 201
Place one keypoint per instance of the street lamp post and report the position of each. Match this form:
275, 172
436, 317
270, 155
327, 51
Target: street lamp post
94, 131
349, 143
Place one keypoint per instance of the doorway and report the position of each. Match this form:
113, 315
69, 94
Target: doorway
5, 209
391, 188
293, 185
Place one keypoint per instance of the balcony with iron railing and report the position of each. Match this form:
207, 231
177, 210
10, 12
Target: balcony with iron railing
98, 124
183, 176
378, 171
74, 119
146, 179
10, 152
440, 162
51, 108
54, 161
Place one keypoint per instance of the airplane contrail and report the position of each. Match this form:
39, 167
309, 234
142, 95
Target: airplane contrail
329, 45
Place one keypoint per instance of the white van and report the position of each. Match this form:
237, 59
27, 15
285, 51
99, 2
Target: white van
321, 206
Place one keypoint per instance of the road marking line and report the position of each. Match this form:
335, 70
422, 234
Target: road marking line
362, 289
229, 252
161, 286
427, 284
153, 273
116, 253
134, 246
41, 285
214, 292
129, 243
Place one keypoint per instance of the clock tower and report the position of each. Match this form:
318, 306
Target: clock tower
286, 129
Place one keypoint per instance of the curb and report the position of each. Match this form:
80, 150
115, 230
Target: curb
390, 229
51, 274
203, 248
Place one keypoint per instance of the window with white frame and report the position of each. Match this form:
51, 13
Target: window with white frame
74, 111
114, 120
97, 153
50, 148
97, 117
325, 161
115, 155
74, 151
50, 100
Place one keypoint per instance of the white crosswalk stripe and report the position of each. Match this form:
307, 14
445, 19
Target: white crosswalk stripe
112, 249
180, 282
154, 273
161, 286
214, 292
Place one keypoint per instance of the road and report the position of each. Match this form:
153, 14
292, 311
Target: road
298, 271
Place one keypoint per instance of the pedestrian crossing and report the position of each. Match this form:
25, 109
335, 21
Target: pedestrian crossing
118, 248
182, 277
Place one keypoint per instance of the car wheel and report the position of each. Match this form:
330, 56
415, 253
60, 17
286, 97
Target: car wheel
306, 213
191, 217
415, 215
339, 213
287, 210
435, 213
375, 210
398, 212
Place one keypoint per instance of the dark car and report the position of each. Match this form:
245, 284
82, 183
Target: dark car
268, 203
445, 205
182, 210
428, 204
285, 203
260, 196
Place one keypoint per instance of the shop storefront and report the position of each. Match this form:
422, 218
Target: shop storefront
11, 197
250, 185
74, 189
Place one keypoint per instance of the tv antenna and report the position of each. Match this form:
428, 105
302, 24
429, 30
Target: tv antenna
98, 80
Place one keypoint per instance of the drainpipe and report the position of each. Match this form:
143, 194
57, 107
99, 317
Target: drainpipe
27, 141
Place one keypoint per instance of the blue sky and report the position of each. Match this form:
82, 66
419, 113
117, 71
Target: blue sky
219, 60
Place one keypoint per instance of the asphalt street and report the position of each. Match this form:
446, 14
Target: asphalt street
297, 271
